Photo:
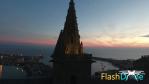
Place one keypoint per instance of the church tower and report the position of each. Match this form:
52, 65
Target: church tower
70, 64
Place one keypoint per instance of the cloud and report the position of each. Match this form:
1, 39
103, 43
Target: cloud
147, 35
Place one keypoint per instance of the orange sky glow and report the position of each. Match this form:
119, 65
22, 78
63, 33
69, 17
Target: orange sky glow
91, 42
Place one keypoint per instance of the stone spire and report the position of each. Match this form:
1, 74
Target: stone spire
70, 64
71, 22
69, 38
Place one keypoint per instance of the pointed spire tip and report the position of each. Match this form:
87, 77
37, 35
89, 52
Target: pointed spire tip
72, 1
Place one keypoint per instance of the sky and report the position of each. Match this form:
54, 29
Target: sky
102, 23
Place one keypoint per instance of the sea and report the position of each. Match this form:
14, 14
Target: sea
12, 72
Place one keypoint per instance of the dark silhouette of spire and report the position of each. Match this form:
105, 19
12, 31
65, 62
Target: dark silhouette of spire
70, 64
71, 22
69, 39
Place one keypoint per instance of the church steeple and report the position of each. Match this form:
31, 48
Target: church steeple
70, 64
69, 39
71, 20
